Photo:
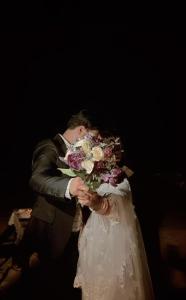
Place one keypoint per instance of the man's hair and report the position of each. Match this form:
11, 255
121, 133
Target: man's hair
83, 118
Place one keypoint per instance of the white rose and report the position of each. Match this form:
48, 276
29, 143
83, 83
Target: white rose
97, 153
88, 165
85, 145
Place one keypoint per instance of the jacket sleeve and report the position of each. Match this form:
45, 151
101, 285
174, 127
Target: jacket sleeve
46, 179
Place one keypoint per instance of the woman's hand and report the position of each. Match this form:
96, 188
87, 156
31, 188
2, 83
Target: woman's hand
89, 198
94, 201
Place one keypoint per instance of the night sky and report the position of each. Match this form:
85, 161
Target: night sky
52, 65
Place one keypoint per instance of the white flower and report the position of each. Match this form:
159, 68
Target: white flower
85, 145
97, 153
88, 165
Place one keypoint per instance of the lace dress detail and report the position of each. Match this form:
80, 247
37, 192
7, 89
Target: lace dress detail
112, 262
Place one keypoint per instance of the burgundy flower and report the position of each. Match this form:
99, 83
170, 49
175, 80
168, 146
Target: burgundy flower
99, 165
108, 152
117, 175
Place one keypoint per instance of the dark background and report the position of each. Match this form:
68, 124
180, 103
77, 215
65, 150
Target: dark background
55, 62
127, 64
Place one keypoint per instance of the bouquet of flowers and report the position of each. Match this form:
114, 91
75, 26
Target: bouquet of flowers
95, 161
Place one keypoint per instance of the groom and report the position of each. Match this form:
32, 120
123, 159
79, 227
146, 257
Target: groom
56, 218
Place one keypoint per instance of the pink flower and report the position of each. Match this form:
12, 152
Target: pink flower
105, 177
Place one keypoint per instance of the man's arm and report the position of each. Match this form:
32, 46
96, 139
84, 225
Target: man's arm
47, 179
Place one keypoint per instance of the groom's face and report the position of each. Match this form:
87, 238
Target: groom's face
84, 131
78, 133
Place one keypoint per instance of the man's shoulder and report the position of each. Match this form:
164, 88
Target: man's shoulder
55, 144
45, 143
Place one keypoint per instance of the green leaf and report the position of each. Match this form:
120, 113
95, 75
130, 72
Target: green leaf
68, 172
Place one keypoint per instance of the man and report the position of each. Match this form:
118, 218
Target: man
56, 218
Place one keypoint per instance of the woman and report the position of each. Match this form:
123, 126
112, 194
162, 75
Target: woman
112, 261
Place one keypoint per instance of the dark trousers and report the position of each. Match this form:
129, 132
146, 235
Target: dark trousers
55, 279
55, 275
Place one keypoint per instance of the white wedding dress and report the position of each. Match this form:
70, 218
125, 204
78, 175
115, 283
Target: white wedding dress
112, 261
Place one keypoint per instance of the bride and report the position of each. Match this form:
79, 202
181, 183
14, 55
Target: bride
112, 261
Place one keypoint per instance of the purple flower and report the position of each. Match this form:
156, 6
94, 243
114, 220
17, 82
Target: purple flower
105, 177
95, 140
114, 177
116, 172
75, 159
113, 181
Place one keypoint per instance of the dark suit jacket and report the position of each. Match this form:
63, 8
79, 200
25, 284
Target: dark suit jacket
49, 186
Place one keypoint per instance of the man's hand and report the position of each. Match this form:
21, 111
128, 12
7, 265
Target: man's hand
77, 185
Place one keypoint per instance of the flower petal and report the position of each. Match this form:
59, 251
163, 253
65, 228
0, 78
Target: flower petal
97, 153
88, 165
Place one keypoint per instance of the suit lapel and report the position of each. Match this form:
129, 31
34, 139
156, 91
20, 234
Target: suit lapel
58, 141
